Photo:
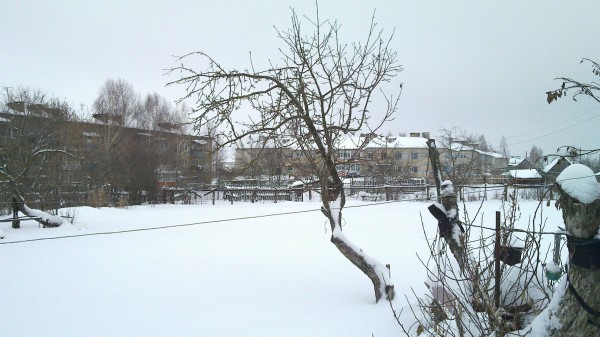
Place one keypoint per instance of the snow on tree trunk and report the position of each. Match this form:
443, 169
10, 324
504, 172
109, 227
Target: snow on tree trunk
578, 311
46, 219
450, 227
453, 234
376, 271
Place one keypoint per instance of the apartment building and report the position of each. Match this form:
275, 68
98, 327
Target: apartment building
64, 158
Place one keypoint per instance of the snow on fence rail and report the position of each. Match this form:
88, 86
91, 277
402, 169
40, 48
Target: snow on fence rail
302, 193
389, 193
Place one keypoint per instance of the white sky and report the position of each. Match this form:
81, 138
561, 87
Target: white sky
480, 66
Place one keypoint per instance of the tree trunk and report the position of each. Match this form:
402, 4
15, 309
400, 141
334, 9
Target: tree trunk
46, 219
579, 308
375, 271
449, 226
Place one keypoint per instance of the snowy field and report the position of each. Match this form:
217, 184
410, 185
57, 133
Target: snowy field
265, 276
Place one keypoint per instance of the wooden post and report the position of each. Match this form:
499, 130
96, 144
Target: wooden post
484, 188
15, 223
497, 262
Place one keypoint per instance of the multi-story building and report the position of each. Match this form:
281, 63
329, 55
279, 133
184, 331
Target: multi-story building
464, 163
74, 157
381, 159
385, 160
377, 159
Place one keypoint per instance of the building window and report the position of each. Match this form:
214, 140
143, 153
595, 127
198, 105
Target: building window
370, 168
345, 154
383, 155
370, 156
414, 156
398, 155
414, 169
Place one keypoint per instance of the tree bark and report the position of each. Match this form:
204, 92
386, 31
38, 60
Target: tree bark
446, 195
580, 305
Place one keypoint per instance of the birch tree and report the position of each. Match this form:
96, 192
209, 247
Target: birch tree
322, 89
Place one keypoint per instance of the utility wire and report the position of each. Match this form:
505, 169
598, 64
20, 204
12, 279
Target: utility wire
186, 225
553, 132
247, 218
519, 135
551, 125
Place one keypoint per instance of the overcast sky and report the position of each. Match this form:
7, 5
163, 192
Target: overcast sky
482, 66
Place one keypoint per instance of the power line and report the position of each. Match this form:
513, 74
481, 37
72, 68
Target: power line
553, 124
553, 132
527, 133
185, 225
244, 218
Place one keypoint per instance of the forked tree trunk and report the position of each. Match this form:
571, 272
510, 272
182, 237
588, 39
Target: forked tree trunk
579, 308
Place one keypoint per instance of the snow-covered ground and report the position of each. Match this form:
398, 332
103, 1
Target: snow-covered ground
265, 276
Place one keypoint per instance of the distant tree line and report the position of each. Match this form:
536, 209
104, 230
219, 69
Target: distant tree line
50, 154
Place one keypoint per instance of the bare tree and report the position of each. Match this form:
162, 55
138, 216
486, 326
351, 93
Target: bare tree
471, 292
323, 89
459, 158
503, 147
591, 89
535, 154
118, 103
31, 148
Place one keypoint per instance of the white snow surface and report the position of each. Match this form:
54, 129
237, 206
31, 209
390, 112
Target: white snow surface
580, 183
525, 174
269, 276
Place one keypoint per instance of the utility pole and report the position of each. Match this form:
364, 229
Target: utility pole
7, 93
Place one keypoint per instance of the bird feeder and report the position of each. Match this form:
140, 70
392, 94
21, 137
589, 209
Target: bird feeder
511, 255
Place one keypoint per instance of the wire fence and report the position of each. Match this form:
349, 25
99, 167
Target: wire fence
101, 198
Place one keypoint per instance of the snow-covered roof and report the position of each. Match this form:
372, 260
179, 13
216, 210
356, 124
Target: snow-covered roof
4, 120
553, 163
458, 146
515, 161
579, 181
200, 141
397, 142
525, 174
297, 183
